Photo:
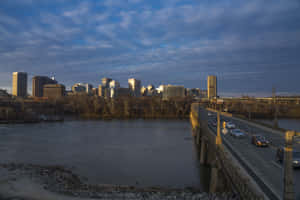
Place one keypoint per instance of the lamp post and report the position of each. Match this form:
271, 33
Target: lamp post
288, 181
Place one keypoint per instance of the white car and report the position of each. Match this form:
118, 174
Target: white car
230, 125
237, 133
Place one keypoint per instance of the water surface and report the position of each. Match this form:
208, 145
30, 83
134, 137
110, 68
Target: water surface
134, 152
289, 124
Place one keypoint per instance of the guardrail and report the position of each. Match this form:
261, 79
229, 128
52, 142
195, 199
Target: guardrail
268, 192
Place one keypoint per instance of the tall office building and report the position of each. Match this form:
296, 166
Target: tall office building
114, 84
135, 87
105, 82
212, 87
38, 83
104, 89
19, 84
89, 88
113, 88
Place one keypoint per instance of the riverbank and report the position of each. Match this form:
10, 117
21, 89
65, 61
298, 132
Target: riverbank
33, 121
28, 181
90, 117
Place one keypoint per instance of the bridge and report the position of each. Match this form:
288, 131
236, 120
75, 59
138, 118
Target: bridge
239, 166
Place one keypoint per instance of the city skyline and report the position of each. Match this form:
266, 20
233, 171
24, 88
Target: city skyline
38, 82
250, 46
125, 85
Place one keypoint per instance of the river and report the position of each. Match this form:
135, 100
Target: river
289, 124
126, 152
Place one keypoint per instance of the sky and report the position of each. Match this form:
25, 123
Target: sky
251, 46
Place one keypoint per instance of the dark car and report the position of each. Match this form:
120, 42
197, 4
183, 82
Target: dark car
260, 141
296, 157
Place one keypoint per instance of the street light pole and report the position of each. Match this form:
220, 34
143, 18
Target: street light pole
288, 179
218, 139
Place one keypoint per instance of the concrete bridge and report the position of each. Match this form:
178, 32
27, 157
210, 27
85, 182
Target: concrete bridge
239, 166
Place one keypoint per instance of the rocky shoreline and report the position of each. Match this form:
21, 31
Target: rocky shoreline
62, 181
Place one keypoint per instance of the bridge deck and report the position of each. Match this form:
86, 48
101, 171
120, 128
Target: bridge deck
261, 160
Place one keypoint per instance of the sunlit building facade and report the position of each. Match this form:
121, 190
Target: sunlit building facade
212, 87
19, 84
38, 83
172, 91
54, 91
106, 82
135, 87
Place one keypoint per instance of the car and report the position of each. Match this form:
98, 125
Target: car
230, 125
296, 157
237, 133
214, 123
260, 141
209, 114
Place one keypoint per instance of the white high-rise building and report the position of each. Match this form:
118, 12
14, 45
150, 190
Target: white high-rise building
135, 87
114, 84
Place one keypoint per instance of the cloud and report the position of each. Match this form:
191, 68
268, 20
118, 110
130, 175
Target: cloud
112, 3
107, 29
126, 19
178, 42
81, 9
7, 20
101, 17
78, 13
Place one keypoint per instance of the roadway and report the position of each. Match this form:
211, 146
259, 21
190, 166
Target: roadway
260, 159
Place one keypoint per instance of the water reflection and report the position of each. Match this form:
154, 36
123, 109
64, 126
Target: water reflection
134, 152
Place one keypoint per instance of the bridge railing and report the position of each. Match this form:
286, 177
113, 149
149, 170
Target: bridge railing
240, 182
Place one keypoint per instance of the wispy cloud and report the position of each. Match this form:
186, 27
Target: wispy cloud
157, 41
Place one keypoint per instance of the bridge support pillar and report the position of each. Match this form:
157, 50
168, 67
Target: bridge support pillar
198, 136
203, 152
216, 181
213, 179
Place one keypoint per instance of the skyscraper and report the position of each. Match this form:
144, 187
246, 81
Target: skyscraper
104, 89
105, 82
19, 84
114, 84
212, 87
38, 83
135, 87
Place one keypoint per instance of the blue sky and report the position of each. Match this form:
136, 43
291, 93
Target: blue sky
250, 45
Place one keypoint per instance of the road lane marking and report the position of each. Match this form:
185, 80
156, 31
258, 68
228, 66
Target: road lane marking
276, 164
